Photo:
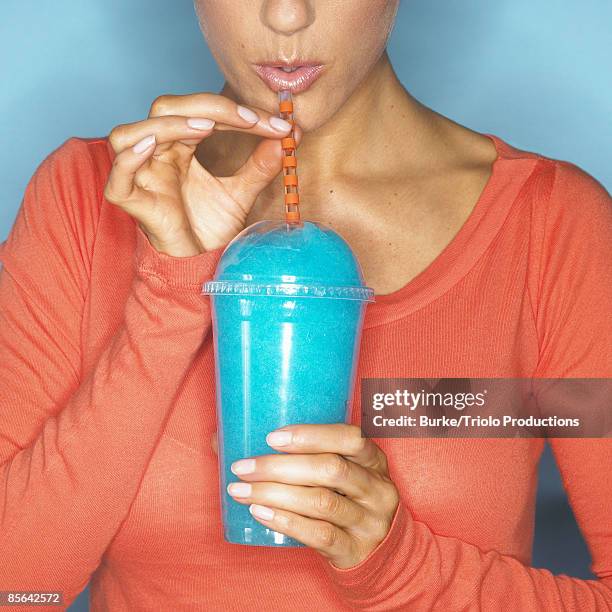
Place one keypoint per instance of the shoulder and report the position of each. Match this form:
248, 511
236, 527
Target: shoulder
578, 202
562, 188
575, 188
71, 179
63, 198
77, 158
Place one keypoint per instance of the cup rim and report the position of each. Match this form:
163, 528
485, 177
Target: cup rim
298, 290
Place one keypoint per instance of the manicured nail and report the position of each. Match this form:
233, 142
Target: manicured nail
247, 114
279, 438
144, 144
262, 512
280, 125
200, 123
244, 466
239, 489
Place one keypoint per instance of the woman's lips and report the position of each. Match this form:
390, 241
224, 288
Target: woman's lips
300, 79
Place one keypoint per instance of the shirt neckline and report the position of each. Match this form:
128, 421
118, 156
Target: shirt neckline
465, 248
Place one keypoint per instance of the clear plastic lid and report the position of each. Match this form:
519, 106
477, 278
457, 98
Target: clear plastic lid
300, 260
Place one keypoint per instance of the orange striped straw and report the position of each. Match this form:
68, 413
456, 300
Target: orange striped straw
290, 179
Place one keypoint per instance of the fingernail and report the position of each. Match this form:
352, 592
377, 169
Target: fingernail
280, 125
279, 438
244, 466
200, 123
239, 489
262, 512
144, 144
247, 114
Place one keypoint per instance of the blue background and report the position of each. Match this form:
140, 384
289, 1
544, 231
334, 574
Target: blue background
536, 74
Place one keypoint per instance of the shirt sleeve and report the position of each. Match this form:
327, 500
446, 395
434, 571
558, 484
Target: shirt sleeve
74, 448
414, 568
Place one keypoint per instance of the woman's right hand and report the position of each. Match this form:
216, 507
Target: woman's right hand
182, 208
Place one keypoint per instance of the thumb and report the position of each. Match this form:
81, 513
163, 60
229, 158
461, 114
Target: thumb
259, 170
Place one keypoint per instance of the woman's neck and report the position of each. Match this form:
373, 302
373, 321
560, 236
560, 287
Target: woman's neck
361, 137
379, 133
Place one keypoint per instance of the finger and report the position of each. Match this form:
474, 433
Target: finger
260, 169
331, 541
325, 470
165, 129
337, 438
314, 502
227, 114
120, 183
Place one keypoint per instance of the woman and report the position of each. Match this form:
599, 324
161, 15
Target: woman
486, 260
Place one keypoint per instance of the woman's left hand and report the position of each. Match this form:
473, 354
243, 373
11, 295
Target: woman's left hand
330, 490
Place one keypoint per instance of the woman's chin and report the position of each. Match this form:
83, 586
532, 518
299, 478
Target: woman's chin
309, 124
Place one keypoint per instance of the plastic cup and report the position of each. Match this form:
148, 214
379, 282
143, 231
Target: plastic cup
288, 303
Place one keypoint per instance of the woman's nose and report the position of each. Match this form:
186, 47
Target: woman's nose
287, 16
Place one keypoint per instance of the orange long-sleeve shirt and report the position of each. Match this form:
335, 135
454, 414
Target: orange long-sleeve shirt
107, 407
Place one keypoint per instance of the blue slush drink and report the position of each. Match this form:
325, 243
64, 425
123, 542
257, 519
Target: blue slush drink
288, 303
